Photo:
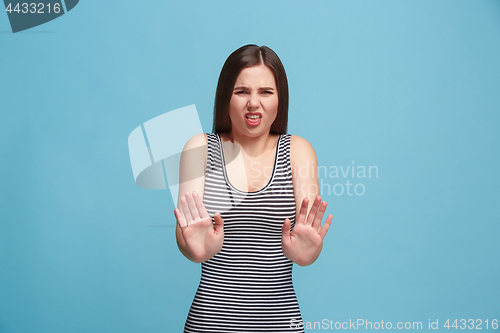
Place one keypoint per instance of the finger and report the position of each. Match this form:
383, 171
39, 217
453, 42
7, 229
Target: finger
219, 222
180, 218
313, 211
192, 207
326, 226
303, 211
185, 211
319, 215
202, 211
285, 229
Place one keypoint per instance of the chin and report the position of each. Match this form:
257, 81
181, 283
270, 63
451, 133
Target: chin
256, 131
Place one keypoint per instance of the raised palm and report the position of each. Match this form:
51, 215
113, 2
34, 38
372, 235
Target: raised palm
303, 243
203, 238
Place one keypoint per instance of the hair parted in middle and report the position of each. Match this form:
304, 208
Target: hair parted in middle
244, 57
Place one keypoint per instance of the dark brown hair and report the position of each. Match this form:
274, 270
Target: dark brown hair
244, 57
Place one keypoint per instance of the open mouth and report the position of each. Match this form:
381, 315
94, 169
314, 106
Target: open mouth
253, 115
253, 119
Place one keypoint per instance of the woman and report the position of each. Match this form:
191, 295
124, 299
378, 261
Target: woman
251, 178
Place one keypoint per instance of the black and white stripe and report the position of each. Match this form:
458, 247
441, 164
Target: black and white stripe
247, 286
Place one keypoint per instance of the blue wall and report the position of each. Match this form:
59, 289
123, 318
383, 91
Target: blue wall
409, 87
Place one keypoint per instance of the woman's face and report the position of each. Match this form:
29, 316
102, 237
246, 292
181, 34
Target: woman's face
254, 102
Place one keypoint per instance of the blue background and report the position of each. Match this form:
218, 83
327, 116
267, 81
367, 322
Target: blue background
408, 86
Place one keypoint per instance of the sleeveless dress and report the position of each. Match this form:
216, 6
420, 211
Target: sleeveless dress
247, 286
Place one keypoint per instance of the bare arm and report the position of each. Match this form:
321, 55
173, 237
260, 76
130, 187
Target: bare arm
304, 244
193, 221
304, 171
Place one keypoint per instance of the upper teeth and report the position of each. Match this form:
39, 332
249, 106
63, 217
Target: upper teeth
253, 116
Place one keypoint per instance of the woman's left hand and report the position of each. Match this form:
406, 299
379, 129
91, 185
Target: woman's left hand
303, 244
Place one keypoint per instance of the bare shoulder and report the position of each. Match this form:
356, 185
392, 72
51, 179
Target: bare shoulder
192, 165
301, 150
194, 157
197, 140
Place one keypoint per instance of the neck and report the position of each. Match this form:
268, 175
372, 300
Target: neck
252, 146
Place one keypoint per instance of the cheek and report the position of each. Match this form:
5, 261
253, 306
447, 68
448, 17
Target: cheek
232, 107
273, 105
235, 104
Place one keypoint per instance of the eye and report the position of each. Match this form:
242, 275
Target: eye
240, 92
267, 92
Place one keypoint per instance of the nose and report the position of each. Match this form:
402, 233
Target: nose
253, 101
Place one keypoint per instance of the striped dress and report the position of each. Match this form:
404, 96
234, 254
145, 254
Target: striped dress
247, 286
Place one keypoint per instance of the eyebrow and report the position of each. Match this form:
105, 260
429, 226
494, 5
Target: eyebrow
261, 88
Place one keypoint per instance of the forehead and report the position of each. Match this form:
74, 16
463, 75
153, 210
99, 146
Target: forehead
256, 76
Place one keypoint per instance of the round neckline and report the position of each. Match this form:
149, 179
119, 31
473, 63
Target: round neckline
270, 179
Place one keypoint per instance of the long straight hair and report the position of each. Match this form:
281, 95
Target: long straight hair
244, 57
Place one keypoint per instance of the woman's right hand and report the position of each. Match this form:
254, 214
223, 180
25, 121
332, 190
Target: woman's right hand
203, 239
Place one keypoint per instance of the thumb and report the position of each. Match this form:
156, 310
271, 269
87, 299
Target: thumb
219, 222
285, 238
